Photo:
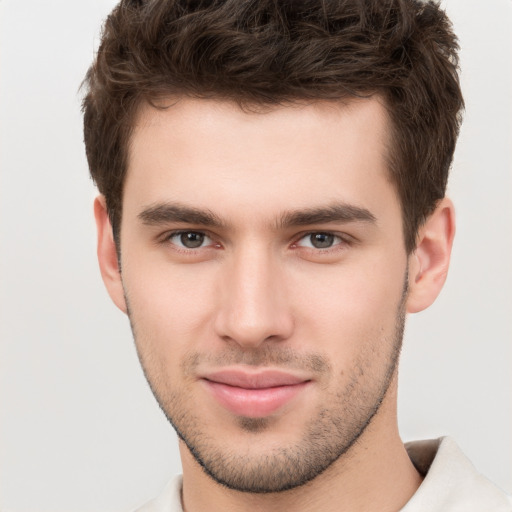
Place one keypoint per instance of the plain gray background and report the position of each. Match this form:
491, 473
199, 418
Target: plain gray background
79, 428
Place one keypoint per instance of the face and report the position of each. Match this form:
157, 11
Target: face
263, 268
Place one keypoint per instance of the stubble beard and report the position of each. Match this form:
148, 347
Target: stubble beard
328, 436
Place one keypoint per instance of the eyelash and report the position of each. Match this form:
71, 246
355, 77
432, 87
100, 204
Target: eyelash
339, 240
187, 250
342, 241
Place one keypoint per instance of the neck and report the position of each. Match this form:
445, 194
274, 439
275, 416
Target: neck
374, 474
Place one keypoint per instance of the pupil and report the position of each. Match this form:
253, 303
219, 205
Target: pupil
322, 240
192, 239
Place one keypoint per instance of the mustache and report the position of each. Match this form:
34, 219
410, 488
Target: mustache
282, 357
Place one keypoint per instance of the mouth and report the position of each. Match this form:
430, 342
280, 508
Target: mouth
254, 394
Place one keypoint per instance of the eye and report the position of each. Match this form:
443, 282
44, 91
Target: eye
319, 240
190, 239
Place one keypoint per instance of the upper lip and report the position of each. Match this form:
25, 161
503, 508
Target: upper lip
260, 379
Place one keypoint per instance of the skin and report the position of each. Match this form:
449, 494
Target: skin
258, 293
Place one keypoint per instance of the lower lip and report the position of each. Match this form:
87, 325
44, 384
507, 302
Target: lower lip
253, 403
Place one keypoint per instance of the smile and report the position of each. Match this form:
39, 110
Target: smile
254, 395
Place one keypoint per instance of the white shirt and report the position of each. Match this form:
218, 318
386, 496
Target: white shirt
451, 484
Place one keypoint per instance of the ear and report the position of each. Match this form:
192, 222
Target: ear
428, 264
107, 254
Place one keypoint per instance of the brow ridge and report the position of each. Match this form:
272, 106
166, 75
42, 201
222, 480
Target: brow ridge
338, 212
162, 213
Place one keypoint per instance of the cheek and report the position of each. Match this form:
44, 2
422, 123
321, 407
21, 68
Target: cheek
168, 305
352, 307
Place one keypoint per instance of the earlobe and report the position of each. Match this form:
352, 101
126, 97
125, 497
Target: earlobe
428, 264
107, 254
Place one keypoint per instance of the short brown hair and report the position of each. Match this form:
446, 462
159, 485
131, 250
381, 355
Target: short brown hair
270, 52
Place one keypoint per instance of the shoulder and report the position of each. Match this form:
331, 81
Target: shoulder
168, 501
451, 482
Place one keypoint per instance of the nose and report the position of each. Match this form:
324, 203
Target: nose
254, 306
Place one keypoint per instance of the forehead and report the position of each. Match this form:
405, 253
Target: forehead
214, 154
222, 119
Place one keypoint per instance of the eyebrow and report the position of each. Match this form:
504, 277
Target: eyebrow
163, 213
339, 212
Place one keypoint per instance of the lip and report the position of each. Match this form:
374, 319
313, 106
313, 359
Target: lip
254, 394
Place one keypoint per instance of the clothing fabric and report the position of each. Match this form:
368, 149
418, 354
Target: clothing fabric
451, 484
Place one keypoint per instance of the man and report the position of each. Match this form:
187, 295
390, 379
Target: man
272, 179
